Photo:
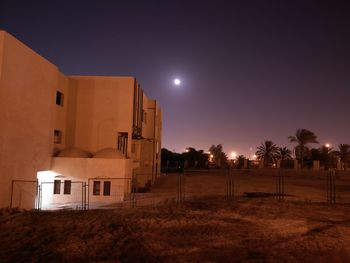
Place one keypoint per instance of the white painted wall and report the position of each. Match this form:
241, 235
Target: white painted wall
117, 171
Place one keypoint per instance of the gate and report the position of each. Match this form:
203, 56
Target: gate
49, 198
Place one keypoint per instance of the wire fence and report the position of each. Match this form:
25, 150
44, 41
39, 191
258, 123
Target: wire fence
332, 187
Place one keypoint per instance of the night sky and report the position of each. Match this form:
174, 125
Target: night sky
250, 70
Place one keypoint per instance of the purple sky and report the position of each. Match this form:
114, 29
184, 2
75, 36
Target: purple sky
250, 70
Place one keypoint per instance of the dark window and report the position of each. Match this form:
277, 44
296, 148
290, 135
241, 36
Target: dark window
123, 142
59, 98
57, 136
96, 190
67, 187
57, 187
107, 188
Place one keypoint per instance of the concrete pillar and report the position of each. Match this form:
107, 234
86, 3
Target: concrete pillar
278, 164
261, 163
186, 164
245, 164
339, 165
296, 164
316, 165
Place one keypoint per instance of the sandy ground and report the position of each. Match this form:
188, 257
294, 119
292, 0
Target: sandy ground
205, 228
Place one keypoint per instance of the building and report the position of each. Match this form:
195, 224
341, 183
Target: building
68, 139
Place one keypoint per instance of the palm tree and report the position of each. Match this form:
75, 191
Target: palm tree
327, 156
302, 138
267, 151
343, 153
283, 154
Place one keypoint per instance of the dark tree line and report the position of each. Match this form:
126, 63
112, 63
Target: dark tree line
189, 159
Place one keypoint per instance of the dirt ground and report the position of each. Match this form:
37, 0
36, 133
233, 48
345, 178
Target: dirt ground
205, 228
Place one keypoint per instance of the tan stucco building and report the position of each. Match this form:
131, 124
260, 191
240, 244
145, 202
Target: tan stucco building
68, 138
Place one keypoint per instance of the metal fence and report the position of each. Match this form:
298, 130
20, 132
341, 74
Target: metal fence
332, 187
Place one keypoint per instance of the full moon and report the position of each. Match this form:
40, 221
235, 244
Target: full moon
177, 82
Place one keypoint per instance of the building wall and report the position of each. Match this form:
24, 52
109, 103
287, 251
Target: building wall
103, 107
27, 92
78, 170
61, 112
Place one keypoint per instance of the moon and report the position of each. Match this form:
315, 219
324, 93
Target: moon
177, 82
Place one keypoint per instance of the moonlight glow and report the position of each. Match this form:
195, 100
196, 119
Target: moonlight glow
177, 82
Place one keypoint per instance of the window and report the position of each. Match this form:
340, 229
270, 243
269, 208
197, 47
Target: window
107, 188
59, 98
96, 189
57, 187
123, 142
57, 136
67, 187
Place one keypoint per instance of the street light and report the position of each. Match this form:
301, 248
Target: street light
233, 155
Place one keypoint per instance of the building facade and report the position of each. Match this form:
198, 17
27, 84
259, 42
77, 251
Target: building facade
65, 139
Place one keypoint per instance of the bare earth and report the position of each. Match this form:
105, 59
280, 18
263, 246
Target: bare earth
205, 228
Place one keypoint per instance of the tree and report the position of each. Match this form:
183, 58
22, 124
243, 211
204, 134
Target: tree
219, 157
302, 138
283, 154
327, 157
194, 158
343, 154
267, 151
240, 161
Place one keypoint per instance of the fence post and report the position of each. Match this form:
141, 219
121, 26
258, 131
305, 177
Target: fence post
230, 185
133, 192
331, 189
280, 185
180, 186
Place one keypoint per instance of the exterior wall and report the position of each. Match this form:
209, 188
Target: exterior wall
150, 144
79, 170
103, 107
2, 38
61, 112
26, 130
158, 141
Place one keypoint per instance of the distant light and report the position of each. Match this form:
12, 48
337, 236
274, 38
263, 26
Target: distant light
177, 82
233, 155
187, 150
328, 145
254, 157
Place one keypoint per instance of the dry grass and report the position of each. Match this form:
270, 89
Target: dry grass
203, 229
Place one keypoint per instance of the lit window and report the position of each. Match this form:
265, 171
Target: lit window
59, 98
57, 187
57, 136
96, 189
107, 188
67, 187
